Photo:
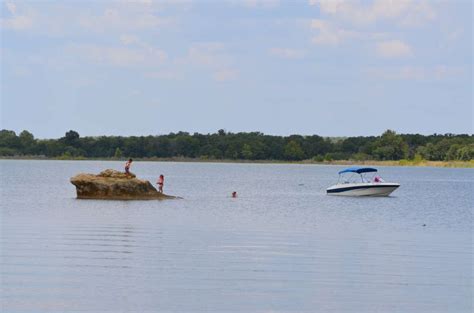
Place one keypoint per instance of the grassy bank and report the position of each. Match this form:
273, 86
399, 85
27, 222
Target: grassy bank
421, 163
424, 163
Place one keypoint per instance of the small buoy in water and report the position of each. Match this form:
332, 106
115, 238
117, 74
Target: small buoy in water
424, 225
234, 194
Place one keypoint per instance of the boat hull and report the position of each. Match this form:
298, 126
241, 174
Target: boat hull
363, 189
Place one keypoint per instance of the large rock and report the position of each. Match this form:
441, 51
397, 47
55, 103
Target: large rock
115, 185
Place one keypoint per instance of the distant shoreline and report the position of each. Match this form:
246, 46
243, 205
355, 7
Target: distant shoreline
422, 163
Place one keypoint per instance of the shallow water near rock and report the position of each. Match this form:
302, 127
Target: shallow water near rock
281, 246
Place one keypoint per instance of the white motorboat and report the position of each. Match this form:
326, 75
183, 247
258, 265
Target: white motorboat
363, 185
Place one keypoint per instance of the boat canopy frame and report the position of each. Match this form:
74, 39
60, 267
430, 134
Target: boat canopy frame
356, 170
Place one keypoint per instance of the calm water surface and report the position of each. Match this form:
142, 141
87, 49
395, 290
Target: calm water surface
281, 246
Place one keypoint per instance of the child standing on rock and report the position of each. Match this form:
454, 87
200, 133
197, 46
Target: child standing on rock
161, 182
127, 166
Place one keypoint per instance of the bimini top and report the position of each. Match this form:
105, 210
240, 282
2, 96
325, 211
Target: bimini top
358, 170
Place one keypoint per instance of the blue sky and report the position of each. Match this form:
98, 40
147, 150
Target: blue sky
333, 68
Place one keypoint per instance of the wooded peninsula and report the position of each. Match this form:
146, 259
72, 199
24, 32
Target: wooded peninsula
251, 146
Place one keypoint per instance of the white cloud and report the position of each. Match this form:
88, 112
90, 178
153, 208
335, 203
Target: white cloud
327, 6
211, 56
416, 73
22, 71
454, 34
11, 7
266, 4
342, 21
329, 34
167, 74
135, 92
447, 72
62, 20
393, 49
153, 103
129, 39
288, 53
225, 75
123, 20
420, 13
146, 2
16, 21
208, 54
118, 56
358, 21
402, 12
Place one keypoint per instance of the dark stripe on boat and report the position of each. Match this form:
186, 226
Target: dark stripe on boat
358, 187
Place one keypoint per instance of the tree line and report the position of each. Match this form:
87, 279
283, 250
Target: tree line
242, 146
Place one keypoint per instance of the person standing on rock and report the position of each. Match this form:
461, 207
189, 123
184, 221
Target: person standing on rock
127, 166
161, 182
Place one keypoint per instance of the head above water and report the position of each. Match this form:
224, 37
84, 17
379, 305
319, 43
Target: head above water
130, 160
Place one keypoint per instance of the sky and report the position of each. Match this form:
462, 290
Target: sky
332, 68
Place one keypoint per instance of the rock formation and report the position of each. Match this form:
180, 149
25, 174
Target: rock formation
115, 185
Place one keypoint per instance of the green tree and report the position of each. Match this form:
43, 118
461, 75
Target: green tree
438, 151
426, 151
293, 151
253, 145
452, 153
442, 148
27, 142
9, 139
53, 148
390, 146
187, 146
247, 152
118, 153
466, 153
328, 157
71, 138
4, 151
315, 145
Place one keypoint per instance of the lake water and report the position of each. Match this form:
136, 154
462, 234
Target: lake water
282, 246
